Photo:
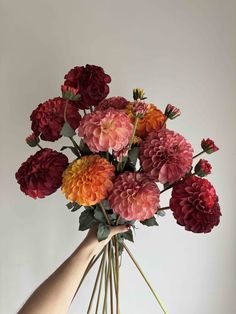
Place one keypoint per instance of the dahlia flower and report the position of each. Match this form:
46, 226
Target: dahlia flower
209, 146
116, 102
165, 156
88, 180
41, 174
195, 204
140, 108
203, 168
153, 120
48, 118
92, 83
106, 129
134, 196
70, 93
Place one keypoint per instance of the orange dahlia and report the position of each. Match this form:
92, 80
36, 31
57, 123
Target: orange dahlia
88, 180
152, 120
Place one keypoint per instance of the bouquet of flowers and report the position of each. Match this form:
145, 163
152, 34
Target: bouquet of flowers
125, 157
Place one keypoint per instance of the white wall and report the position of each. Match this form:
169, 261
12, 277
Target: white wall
181, 52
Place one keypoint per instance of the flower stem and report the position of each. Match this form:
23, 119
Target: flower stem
107, 276
76, 146
84, 111
96, 283
100, 285
133, 133
164, 208
145, 278
199, 154
117, 276
91, 108
104, 213
164, 122
110, 266
39, 146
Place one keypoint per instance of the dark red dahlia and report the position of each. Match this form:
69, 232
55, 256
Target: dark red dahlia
48, 118
209, 146
202, 168
195, 204
92, 83
41, 174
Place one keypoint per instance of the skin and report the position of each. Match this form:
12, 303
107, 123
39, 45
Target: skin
56, 293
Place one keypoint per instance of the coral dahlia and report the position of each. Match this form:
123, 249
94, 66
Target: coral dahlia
134, 196
106, 129
41, 174
48, 118
165, 156
195, 204
153, 120
88, 180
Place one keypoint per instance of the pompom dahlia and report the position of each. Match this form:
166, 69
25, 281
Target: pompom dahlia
209, 146
116, 102
134, 196
202, 168
88, 180
48, 118
195, 204
165, 156
153, 120
91, 81
106, 129
41, 174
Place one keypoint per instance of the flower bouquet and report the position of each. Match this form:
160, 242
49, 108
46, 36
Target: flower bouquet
125, 157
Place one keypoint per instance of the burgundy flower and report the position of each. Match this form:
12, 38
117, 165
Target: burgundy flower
41, 174
203, 168
195, 204
209, 146
32, 140
92, 82
140, 108
48, 118
115, 102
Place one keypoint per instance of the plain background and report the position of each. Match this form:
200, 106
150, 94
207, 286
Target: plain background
181, 52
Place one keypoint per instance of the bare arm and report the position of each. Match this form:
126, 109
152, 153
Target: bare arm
55, 294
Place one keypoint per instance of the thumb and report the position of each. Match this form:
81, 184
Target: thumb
119, 229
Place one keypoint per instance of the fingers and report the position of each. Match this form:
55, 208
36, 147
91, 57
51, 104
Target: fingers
119, 229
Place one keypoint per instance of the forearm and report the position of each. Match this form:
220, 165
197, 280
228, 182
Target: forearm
55, 294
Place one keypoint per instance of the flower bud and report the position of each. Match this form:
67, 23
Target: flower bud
172, 112
202, 168
70, 93
32, 140
138, 94
139, 108
209, 146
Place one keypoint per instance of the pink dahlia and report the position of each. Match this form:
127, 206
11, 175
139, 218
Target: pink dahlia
92, 83
106, 129
48, 118
41, 174
134, 196
116, 102
140, 108
165, 156
209, 146
195, 204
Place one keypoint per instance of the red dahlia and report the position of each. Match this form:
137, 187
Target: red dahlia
48, 118
195, 204
41, 174
92, 83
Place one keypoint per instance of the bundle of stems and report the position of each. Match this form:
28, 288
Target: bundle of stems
106, 287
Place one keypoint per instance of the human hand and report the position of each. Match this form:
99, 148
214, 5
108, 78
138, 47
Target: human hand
92, 242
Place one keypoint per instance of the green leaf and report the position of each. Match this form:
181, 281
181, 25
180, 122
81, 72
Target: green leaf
86, 219
161, 213
126, 235
83, 147
120, 247
103, 231
133, 154
72, 148
150, 222
67, 130
73, 206
98, 214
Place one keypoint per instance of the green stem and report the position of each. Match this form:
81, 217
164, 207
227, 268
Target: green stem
107, 275
91, 108
84, 111
164, 208
117, 276
164, 122
39, 146
76, 146
199, 154
104, 213
100, 285
96, 283
133, 133
145, 278
110, 266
